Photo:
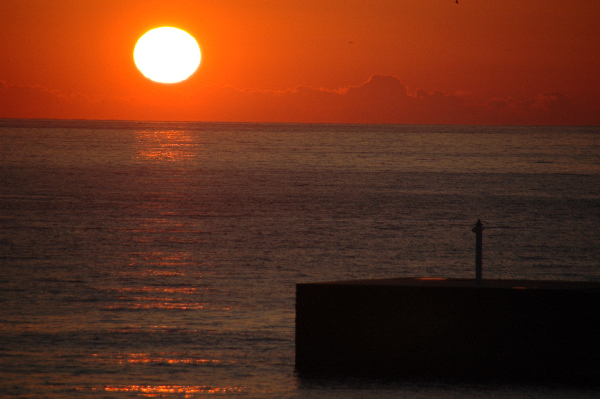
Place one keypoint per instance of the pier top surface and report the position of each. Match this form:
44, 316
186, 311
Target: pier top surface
469, 283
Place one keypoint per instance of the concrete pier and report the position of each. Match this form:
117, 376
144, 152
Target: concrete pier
516, 330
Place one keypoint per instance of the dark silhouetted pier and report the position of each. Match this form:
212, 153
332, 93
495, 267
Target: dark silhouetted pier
469, 329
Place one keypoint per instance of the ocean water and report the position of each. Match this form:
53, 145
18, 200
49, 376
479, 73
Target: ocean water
146, 259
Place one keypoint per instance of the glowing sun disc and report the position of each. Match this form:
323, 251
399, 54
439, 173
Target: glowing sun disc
167, 55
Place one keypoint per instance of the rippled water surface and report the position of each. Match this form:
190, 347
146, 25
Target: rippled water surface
147, 259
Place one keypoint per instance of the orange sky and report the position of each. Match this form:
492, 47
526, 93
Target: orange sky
387, 61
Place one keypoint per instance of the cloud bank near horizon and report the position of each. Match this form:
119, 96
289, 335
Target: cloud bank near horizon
381, 99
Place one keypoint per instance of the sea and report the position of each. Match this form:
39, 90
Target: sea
147, 259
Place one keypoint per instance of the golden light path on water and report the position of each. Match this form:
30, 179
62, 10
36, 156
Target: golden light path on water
149, 301
166, 145
153, 358
162, 390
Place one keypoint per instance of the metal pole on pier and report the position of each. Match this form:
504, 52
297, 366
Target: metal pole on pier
478, 230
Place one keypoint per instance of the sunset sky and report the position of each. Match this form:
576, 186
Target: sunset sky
379, 61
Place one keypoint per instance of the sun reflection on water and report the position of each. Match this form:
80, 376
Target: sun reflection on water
189, 391
172, 358
166, 145
134, 329
179, 290
160, 305
144, 298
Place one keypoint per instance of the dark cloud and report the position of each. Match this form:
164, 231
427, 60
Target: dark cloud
381, 99
497, 104
26, 101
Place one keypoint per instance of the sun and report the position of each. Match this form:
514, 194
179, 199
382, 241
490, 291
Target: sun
167, 55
